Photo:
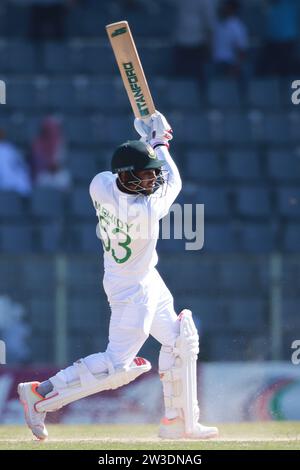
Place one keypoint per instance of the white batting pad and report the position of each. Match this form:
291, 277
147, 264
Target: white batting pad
89, 384
180, 381
189, 350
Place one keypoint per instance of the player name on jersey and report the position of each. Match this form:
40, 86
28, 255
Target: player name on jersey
109, 216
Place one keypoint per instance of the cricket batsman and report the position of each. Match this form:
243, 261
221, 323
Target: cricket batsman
135, 194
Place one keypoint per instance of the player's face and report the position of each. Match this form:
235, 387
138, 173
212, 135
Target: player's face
148, 179
141, 181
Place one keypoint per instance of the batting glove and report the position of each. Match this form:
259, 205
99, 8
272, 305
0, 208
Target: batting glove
155, 131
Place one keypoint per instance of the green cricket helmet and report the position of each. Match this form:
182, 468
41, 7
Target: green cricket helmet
135, 155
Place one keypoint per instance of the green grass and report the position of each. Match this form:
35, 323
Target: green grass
269, 435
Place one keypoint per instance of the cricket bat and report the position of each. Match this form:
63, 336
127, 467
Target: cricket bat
131, 69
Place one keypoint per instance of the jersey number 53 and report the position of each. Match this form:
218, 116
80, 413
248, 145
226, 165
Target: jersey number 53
107, 241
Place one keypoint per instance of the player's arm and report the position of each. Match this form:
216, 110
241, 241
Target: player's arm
174, 179
94, 188
158, 133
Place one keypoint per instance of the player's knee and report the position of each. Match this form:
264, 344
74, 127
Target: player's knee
184, 344
138, 336
142, 335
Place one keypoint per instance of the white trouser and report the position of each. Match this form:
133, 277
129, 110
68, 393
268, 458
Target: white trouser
137, 310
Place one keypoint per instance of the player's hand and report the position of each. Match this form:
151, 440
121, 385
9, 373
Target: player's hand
143, 129
156, 130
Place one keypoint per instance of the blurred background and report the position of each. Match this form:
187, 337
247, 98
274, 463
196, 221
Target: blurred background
221, 71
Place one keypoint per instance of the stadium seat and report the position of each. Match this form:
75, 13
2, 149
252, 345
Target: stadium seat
291, 240
208, 312
83, 166
257, 238
79, 129
157, 61
16, 20
215, 200
38, 276
117, 129
50, 237
91, 93
224, 94
56, 58
99, 127
103, 158
170, 246
203, 165
4, 56
41, 313
21, 93
103, 94
18, 57
216, 119
240, 275
226, 347
92, 269
197, 275
80, 345
290, 271
248, 315
120, 97
293, 123
81, 203
159, 24
78, 57
243, 165
177, 94
61, 94
288, 199
94, 58
98, 95
290, 310
220, 238
277, 129
16, 238
254, 21
96, 311
47, 202
22, 126
197, 132
11, 204
284, 164
42, 96
264, 93
237, 129
253, 201
90, 22
42, 346
8, 267
83, 238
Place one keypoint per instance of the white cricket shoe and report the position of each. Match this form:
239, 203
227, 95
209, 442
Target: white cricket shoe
29, 397
175, 429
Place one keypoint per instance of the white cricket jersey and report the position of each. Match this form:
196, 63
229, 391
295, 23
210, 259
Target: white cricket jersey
129, 224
